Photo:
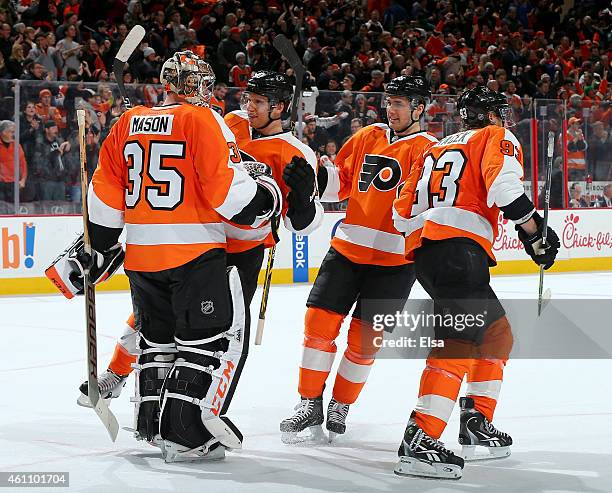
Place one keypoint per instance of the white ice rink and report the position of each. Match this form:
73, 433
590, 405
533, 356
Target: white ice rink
558, 412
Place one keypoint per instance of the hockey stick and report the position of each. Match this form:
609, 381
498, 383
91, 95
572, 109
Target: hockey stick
286, 49
129, 45
93, 391
544, 298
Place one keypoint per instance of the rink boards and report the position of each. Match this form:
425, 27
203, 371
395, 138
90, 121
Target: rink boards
28, 244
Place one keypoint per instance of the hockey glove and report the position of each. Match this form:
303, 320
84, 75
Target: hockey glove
66, 271
267, 202
300, 178
533, 243
256, 168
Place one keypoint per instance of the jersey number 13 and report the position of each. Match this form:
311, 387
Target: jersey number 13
443, 192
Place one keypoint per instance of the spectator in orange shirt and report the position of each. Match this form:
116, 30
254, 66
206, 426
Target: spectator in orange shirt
217, 100
7, 163
240, 73
45, 110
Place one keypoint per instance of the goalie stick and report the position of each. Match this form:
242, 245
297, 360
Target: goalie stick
99, 405
286, 49
129, 45
545, 297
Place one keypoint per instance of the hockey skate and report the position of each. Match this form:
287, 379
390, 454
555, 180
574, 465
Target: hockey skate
309, 414
110, 385
336, 418
476, 430
423, 456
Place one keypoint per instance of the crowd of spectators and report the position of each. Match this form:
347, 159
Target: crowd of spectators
551, 60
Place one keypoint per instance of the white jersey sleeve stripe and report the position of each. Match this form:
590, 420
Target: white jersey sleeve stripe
332, 189
507, 186
102, 214
243, 188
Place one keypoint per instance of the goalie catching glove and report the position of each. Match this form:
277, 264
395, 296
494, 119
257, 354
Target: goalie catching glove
533, 243
67, 270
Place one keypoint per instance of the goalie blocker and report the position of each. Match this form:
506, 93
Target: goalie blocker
66, 271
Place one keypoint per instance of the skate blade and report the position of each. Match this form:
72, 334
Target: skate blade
409, 466
292, 437
471, 454
172, 452
84, 401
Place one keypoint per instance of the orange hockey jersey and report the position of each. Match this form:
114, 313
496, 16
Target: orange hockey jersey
169, 173
217, 105
276, 151
369, 170
457, 186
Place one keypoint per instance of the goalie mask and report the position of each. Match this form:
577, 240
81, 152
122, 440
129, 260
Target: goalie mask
188, 75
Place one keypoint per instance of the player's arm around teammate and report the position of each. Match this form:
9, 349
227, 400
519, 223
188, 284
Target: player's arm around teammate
365, 263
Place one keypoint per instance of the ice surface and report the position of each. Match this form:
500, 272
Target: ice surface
559, 412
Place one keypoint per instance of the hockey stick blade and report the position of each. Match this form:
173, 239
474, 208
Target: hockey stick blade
108, 419
129, 45
286, 49
544, 300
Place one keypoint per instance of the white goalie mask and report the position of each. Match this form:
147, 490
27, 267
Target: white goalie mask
186, 74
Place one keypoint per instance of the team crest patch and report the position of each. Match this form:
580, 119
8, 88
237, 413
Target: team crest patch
207, 307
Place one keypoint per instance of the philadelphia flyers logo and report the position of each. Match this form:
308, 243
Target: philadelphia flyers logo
383, 172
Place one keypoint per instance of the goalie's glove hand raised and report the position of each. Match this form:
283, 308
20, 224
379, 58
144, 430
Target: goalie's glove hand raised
67, 270
541, 255
299, 176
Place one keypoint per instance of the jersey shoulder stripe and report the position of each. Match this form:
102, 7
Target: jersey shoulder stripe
306, 151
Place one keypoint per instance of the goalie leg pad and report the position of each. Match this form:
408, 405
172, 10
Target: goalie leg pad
200, 385
154, 362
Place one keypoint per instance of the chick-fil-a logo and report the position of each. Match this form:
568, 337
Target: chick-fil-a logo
573, 238
506, 237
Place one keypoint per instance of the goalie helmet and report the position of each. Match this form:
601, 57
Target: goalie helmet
275, 86
413, 87
186, 74
474, 107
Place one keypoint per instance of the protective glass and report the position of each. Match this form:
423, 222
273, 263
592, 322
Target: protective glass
507, 116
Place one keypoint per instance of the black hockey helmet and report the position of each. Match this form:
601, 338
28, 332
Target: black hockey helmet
475, 104
275, 86
414, 87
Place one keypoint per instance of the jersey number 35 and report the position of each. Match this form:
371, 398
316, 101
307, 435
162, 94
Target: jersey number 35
166, 189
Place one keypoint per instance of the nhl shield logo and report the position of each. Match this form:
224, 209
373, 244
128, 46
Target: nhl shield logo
207, 307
